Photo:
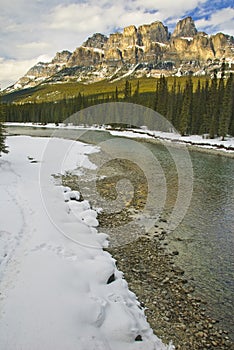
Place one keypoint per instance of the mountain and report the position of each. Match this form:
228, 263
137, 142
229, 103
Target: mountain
149, 50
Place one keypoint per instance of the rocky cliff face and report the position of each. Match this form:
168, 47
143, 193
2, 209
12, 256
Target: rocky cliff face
185, 28
150, 49
61, 57
97, 41
223, 45
85, 56
198, 48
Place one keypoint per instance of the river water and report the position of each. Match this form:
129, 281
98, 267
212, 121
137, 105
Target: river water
205, 237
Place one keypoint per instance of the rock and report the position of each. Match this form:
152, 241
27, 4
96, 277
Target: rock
166, 280
200, 334
150, 34
97, 41
221, 44
149, 48
185, 28
61, 57
85, 56
163, 220
138, 338
175, 252
111, 279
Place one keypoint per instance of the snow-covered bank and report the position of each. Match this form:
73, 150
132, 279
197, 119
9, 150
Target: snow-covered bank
204, 141
54, 292
194, 140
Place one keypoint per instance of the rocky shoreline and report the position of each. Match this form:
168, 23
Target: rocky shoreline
173, 309
171, 305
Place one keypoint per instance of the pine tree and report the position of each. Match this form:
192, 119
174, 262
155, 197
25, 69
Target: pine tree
127, 90
3, 147
213, 110
136, 92
226, 112
223, 69
205, 118
197, 109
186, 111
162, 96
116, 94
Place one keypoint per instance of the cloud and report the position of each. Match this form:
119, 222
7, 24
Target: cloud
34, 46
169, 8
11, 69
88, 17
221, 20
33, 28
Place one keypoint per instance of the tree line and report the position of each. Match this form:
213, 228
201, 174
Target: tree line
207, 108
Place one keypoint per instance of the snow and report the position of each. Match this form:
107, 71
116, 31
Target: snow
94, 49
53, 269
196, 140
140, 47
30, 77
188, 38
16, 86
161, 44
127, 74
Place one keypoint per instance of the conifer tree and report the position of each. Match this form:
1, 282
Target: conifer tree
127, 90
162, 96
197, 109
185, 117
227, 106
212, 108
3, 147
116, 94
136, 92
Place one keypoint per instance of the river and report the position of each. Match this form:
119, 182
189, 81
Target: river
205, 237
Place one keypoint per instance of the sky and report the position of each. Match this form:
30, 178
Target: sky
34, 30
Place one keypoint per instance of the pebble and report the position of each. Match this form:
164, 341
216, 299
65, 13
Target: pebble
173, 311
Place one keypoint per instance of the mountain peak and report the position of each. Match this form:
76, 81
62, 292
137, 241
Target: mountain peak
185, 28
97, 40
61, 57
147, 50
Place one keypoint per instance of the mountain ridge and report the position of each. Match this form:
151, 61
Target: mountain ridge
149, 50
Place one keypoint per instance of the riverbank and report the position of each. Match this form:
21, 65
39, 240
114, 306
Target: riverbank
173, 308
172, 304
194, 142
188, 322
59, 289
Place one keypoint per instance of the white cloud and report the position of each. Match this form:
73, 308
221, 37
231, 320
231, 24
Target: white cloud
33, 28
88, 17
34, 46
11, 69
78, 18
169, 8
221, 20
102, 16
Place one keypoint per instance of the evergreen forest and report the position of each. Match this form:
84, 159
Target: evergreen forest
196, 106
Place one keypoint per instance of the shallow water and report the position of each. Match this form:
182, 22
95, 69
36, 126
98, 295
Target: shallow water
205, 237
